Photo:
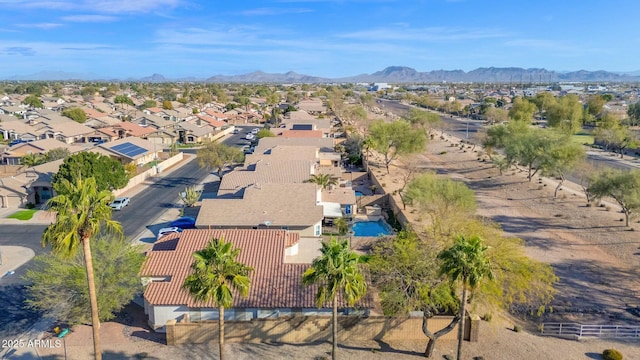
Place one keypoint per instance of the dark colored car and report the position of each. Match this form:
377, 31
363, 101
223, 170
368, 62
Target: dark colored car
185, 222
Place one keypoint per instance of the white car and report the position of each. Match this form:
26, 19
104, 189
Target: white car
250, 137
255, 131
168, 230
119, 203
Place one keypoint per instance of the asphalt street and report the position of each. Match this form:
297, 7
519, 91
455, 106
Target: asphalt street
458, 127
145, 208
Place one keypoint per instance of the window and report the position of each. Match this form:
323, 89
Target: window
317, 230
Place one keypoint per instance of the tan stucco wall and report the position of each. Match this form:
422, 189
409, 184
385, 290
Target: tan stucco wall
305, 329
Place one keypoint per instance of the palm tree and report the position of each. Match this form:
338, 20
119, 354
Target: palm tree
336, 271
32, 159
215, 273
466, 262
82, 211
324, 180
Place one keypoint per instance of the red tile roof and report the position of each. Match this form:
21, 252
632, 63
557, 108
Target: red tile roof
274, 284
211, 121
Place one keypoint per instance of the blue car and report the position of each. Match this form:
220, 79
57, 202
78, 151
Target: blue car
185, 222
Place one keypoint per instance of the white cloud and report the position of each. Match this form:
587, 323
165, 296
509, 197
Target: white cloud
99, 6
432, 34
274, 11
89, 18
45, 26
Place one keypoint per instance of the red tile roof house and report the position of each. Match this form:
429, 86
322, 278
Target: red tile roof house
276, 288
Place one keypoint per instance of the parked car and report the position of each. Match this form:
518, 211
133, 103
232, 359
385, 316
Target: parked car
254, 131
250, 137
236, 131
185, 222
168, 230
119, 203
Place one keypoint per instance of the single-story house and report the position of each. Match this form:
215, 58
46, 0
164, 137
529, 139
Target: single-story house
292, 207
129, 149
264, 171
13, 154
276, 288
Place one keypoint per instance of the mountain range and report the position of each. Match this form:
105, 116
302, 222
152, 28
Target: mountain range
391, 74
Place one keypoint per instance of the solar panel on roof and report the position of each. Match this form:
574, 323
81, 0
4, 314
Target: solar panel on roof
129, 149
302, 127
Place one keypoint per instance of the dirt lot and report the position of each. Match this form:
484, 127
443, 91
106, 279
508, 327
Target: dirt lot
594, 255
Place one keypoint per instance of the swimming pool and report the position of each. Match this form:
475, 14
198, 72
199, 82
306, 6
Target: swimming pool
359, 193
371, 228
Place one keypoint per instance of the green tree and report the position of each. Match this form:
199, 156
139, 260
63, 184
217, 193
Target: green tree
75, 114
426, 120
566, 114
496, 115
622, 186
33, 101
595, 104
58, 284
82, 210
324, 180
544, 101
335, 271
214, 155
265, 133
541, 149
57, 154
634, 114
167, 105
32, 159
522, 110
148, 104
109, 174
405, 270
440, 198
563, 156
215, 273
342, 225
465, 262
123, 99
190, 196
395, 139
614, 135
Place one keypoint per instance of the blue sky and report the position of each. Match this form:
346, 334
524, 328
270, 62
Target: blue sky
331, 38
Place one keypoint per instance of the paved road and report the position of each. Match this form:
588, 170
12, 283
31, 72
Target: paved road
145, 207
458, 127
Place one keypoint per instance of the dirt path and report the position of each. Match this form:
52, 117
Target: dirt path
593, 253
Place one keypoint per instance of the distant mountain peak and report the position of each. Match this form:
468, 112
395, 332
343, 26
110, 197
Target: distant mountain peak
390, 74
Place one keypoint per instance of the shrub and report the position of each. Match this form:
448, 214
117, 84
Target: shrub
516, 328
487, 317
612, 354
30, 206
443, 153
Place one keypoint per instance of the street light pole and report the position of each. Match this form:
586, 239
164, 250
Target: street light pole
468, 115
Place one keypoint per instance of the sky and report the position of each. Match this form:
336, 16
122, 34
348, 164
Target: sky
328, 38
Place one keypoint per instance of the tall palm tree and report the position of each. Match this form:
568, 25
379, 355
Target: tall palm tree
336, 271
466, 262
82, 211
324, 180
215, 272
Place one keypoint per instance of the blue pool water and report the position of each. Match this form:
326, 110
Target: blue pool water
359, 193
370, 228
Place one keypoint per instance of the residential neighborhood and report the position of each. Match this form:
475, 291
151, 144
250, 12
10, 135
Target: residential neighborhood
314, 174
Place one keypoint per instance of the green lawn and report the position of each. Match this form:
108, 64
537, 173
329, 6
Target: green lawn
582, 137
22, 214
